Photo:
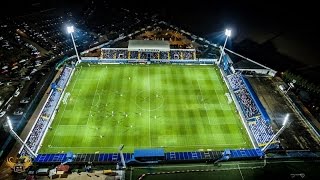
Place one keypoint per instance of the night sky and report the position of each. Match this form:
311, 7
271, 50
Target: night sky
294, 21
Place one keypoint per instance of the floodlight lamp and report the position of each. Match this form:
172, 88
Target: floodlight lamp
228, 32
285, 120
70, 29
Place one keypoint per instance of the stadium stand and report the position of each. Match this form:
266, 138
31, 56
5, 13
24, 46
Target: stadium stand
149, 55
42, 122
153, 54
235, 81
129, 157
261, 131
134, 55
256, 100
164, 55
241, 154
175, 54
121, 54
247, 104
108, 54
256, 116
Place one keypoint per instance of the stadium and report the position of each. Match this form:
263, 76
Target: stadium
152, 97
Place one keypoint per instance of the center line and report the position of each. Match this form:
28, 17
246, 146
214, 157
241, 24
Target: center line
149, 108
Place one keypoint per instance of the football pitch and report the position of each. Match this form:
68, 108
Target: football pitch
175, 107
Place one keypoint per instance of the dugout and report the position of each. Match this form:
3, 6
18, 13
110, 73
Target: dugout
144, 155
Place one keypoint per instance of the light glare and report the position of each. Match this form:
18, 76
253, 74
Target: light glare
70, 29
9, 123
228, 32
285, 120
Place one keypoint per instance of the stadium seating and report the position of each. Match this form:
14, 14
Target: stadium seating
39, 128
108, 54
261, 131
188, 55
235, 81
121, 54
260, 128
164, 55
249, 108
134, 54
175, 54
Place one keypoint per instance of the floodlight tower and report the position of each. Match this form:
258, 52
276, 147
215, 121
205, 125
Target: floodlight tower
228, 34
121, 156
70, 30
15, 135
284, 125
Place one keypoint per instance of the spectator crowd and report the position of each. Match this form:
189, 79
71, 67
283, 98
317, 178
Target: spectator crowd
41, 124
260, 129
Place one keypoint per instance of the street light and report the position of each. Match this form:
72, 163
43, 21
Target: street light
16, 136
228, 34
291, 85
70, 30
284, 125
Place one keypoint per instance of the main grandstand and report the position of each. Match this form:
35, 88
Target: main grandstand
142, 50
160, 101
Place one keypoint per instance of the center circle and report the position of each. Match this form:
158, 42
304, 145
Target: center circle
149, 101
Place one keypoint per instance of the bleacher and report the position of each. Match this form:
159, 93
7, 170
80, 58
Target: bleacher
108, 54
188, 55
247, 104
163, 55
134, 55
41, 125
123, 53
235, 81
256, 100
241, 154
255, 115
261, 131
175, 54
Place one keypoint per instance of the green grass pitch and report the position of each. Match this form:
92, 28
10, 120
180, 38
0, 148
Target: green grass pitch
177, 107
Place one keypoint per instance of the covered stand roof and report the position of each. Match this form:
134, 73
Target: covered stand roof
148, 45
